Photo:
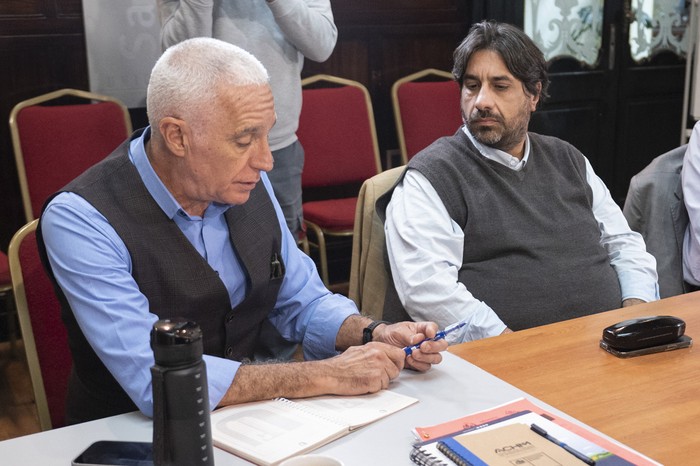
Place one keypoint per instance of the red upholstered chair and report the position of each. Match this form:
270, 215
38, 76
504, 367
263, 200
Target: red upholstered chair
45, 338
426, 107
56, 136
337, 131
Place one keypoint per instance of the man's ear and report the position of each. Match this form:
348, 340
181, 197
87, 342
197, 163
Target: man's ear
175, 134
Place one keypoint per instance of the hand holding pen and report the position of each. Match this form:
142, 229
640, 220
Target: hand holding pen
439, 336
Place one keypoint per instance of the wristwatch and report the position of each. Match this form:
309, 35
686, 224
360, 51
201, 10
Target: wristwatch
367, 331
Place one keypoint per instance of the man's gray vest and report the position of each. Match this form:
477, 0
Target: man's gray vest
532, 247
174, 277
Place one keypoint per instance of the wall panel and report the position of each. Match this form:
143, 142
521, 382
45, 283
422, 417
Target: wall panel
42, 48
380, 42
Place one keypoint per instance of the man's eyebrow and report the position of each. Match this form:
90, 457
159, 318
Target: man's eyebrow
246, 131
504, 77
500, 78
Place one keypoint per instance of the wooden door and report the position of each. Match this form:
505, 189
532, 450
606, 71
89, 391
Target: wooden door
617, 70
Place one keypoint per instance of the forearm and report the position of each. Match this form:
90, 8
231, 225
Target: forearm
255, 382
308, 25
635, 267
350, 333
359, 370
184, 19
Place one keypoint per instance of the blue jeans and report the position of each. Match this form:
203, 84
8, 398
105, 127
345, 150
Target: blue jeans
286, 182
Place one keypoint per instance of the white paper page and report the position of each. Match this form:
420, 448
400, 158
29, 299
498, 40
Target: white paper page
357, 411
271, 431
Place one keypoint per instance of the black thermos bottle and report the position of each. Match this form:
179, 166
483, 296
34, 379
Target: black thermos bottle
181, 424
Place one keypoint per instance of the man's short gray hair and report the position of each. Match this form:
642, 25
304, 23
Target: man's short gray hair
188, 76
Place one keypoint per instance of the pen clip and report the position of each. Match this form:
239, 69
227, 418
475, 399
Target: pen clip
276, 267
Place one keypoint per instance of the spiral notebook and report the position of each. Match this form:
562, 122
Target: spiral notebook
508, 445
466, 447
432, 453
268, 432
458, 453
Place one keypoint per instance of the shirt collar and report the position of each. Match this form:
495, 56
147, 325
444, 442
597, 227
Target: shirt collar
163, 197
498, 155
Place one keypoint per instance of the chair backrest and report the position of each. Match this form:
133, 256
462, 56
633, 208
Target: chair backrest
368, 273
54, 143
426, 107
337, 131
45, 337
654, 208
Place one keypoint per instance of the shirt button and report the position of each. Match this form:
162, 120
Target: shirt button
229, 352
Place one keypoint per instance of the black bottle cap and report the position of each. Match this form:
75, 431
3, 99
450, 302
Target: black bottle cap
176, 341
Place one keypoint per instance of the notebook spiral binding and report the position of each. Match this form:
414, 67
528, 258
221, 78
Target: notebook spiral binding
422, 458
459, 461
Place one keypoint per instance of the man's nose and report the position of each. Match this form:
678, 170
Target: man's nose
484, 99
262, 159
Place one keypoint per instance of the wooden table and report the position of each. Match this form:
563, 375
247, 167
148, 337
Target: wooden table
651, 403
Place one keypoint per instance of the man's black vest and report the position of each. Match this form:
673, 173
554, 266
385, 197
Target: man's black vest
173, 276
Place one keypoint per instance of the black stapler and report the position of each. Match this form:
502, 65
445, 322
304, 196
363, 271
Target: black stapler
645, 335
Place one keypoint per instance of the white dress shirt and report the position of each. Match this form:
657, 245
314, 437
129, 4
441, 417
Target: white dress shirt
425, 247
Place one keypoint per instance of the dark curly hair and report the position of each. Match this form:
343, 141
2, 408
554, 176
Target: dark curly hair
521, 55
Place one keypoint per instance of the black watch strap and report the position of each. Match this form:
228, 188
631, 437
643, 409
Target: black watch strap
367, 331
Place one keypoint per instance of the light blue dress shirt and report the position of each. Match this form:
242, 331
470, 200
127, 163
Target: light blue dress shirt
93, 267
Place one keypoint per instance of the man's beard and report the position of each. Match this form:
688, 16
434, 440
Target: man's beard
501, 136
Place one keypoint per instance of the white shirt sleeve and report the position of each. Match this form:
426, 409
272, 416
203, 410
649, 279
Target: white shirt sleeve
635, 267
425, 255
690, 180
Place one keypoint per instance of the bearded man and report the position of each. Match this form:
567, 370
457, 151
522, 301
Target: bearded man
502, 228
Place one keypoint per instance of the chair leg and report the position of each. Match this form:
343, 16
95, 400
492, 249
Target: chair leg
12, 324
322, 256
304, 245
11, 314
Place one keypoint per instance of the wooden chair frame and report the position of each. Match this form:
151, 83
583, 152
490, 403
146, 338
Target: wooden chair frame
397, 107
25, 324
320, 233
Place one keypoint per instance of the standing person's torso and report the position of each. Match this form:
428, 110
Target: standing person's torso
251, 26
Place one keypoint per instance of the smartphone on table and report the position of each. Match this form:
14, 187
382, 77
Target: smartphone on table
116, 453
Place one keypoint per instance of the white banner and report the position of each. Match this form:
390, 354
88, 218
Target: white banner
123, 43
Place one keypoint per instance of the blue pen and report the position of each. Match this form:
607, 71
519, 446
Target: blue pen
439, 336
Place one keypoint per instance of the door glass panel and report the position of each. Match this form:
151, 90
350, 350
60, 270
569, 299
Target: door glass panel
566, 28
657, 26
